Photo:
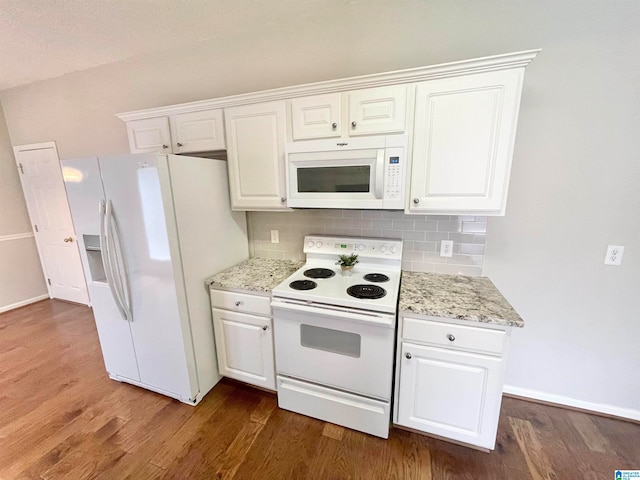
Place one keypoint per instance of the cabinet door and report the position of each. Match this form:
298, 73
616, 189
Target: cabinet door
453, 394
463, 143
198, 131
255, 153
149, 135
245, 347
377, 110
316, 117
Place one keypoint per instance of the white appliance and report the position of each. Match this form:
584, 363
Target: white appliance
334, 350
366, 172
151, 229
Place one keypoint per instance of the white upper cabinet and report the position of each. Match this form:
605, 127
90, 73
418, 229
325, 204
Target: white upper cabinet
377, 110
359, 112
463, 139
255, 153
149, 135
181, 133
319, 116
198, 131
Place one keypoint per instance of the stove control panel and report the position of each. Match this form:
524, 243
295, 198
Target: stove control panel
365, 247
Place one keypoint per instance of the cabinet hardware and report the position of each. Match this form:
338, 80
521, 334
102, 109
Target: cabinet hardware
334, 125
451, 337
165, 146
283, 199
238, 303
264, 327
416, 201
407, 355
179, 144
353, 124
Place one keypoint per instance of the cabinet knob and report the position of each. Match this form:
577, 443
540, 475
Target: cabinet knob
353, 124
179, 144
68, 239
264, 327
283, 199
238, 303
165, 146
416, 201
334, 125
451, 337
407, 355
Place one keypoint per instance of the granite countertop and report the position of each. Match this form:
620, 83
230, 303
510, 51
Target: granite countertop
475, 299
254, 275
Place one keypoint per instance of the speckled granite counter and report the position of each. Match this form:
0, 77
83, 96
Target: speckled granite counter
255, 275
475, 299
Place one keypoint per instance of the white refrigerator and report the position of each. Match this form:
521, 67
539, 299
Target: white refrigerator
151, 228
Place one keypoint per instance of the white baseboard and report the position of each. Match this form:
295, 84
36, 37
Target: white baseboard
572, 402
28, 301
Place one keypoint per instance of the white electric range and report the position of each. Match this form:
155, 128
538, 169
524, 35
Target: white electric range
334, 333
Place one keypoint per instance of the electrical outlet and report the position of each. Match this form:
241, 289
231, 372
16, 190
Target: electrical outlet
614, 255
446, 248
275, 236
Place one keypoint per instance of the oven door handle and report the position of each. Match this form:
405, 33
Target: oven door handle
379, 187
381, 319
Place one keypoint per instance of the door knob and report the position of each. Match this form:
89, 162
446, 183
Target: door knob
68, 239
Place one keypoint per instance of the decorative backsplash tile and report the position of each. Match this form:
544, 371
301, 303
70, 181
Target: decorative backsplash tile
422, 235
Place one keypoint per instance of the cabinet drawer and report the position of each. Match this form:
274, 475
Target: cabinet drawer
241, 302
335, 406
449, 335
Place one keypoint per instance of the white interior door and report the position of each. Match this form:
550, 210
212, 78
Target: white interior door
46, 199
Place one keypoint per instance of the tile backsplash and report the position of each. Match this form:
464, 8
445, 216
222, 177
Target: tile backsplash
421, 234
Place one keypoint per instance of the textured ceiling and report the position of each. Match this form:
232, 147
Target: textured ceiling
42, 39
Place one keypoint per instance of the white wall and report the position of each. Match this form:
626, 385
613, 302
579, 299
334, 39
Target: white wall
575, 183
21, 278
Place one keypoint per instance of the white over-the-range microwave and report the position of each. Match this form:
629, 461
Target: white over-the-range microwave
363, 172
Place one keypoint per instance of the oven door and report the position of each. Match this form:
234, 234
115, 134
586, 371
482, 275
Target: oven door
327, 347
336, 179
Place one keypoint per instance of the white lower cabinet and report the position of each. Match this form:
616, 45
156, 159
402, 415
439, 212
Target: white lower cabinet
449, 379
244, 341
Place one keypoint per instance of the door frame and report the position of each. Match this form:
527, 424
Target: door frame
40, 146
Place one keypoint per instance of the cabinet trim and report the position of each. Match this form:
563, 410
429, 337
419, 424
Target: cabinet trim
419, 74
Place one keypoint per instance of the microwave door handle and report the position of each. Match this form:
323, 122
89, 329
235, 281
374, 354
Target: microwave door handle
379, 173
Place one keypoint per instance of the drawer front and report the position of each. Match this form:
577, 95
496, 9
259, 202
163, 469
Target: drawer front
241, 302
449, 335
342, 408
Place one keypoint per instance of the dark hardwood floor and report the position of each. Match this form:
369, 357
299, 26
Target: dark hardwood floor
62, 418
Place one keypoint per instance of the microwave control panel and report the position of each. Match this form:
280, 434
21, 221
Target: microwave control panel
394, 177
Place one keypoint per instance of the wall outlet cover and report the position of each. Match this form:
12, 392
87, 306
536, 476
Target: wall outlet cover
275, 236
446, 248
614, 255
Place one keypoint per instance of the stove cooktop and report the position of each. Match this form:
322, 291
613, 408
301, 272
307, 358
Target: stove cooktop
354, 291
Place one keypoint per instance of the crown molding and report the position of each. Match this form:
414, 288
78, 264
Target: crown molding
411, 75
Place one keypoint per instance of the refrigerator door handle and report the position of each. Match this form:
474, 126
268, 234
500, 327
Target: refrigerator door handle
106, 260
121, 275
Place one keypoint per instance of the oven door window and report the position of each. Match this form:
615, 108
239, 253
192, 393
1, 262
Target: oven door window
347, 179
334, 341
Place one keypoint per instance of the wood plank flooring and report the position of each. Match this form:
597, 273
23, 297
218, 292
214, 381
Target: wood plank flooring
61, 417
